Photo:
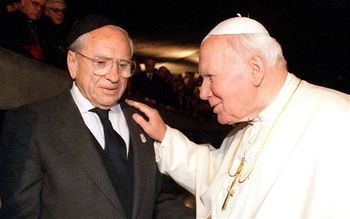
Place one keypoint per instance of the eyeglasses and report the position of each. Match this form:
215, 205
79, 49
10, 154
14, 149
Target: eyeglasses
102, 66
58, 10
37, 4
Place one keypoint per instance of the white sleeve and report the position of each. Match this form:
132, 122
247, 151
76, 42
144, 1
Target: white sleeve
176, 156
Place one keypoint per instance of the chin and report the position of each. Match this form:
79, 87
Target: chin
225, 120
221, 120
110, 101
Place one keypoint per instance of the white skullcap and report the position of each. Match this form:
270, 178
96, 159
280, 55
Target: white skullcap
238, 25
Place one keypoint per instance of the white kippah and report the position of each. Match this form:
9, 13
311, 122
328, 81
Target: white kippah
238, 25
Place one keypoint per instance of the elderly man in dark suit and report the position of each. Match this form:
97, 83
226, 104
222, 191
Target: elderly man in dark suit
64, 158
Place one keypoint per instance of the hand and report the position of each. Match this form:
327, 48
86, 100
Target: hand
155, 126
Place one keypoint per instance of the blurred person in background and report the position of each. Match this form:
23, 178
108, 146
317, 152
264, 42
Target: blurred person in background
22, 33
8, 6
55, 10
54, 31
147, 84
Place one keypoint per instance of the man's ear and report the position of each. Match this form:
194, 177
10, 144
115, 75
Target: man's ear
257, 65
72, 64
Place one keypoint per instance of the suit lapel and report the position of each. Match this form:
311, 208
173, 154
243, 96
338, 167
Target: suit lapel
142, 146
79, 142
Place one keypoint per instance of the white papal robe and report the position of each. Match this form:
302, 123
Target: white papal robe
298, 153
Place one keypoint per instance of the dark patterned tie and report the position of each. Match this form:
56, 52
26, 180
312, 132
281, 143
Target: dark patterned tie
115, 146
115, 149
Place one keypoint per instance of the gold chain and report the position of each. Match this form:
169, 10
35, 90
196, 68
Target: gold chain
230, 190
237, 176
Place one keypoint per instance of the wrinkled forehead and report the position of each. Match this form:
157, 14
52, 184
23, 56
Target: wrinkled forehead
209, 50
215, 45
107, 36
108, 32
217, 50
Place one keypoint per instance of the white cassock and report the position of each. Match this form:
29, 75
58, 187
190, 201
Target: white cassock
298, 153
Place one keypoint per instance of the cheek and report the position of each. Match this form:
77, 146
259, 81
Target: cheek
221, 90
230, 96
123, 83
88, 84
92, 87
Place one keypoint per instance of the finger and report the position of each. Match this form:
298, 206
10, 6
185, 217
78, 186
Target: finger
140, 120
134, 103
140, 106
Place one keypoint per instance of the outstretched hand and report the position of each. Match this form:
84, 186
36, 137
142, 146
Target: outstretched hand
155, 126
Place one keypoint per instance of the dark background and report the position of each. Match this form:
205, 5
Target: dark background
314, 34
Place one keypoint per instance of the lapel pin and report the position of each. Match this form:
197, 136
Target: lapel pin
143, 138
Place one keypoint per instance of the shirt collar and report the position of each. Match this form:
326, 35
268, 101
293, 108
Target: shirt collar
84, 105
273, 109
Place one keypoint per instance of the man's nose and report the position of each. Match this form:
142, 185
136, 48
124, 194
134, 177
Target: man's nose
205, 91
113, 74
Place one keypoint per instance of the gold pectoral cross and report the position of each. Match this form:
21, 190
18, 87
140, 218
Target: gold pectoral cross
231, 189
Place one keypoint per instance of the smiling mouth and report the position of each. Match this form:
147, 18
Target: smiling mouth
110, 90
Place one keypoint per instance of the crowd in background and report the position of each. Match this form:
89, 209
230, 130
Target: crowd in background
178, 92
35, 28
38, 29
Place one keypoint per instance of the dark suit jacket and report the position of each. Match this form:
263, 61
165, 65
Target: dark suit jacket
51, 168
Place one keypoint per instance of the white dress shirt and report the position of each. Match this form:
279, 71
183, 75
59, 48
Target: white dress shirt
93, 122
